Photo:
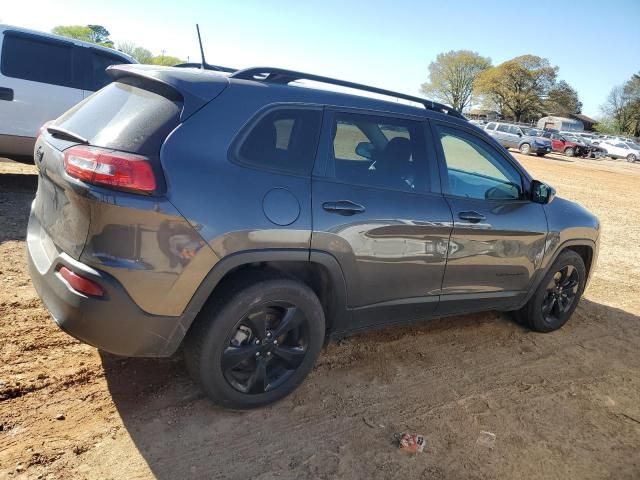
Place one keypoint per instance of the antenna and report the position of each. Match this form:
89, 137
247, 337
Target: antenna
204, 62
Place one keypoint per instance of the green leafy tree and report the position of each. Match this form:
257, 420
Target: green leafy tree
78, 32
100, 35
452, 77
88, 33
518, 86
141, 54
562, 99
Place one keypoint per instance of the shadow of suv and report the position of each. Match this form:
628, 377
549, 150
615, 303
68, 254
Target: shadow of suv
248, 218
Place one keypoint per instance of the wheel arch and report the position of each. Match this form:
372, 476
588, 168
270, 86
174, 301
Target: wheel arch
585, 247
318, 270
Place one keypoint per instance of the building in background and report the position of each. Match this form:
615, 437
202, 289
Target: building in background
561, 124
481, 114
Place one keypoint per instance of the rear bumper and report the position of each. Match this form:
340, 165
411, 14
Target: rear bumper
113, 323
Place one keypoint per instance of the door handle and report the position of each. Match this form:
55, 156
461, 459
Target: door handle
6, 94
473, 217
343, 207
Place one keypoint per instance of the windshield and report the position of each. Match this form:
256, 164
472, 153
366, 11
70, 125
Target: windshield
635, 146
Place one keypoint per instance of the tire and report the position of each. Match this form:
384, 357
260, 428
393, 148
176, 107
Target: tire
547, 310
240, 327
569, 152
631, 158
525, 149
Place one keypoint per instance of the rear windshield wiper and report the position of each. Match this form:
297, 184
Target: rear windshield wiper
63, 132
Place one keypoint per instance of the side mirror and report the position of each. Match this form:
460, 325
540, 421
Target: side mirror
365, 149
541, 192
519, 134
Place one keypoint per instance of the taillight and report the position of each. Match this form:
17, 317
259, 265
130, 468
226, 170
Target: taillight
81, 284
110, 168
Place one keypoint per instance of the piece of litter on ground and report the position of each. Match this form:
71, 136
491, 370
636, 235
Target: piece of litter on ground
60, 416
486, 439
410, 442
368, 423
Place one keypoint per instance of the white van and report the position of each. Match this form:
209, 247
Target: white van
42, 76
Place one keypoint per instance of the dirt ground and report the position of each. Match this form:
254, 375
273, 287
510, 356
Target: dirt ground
564, 405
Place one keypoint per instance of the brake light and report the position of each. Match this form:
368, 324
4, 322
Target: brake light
110, 168
81, 284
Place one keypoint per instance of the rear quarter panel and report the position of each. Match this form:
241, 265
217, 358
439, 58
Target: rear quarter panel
223, 200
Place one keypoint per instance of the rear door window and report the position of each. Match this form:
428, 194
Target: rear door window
38, 59
131, 115
284, 139
378, 151
503, 128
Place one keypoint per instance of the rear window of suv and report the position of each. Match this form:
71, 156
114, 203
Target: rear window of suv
130, 115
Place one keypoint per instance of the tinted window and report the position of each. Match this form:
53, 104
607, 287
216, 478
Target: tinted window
476, 170
99, 63
284, 139
503, 128
491, 126
378, 151
38, 60
514, 130
129, 115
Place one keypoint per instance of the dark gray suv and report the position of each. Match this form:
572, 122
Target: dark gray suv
247, 218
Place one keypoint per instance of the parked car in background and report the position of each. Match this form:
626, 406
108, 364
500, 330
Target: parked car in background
590, 150
515, 136
561, 144
41, 76
619, 149
634, 156
310, 213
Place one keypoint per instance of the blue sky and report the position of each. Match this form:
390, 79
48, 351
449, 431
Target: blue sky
384, 43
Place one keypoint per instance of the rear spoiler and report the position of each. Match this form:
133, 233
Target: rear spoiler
196, 87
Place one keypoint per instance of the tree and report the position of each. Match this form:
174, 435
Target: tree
631, 91
166, 60
452, 76
141, 54
78, 32
562, 99
616, 109
87, 33
518, 85
100, 35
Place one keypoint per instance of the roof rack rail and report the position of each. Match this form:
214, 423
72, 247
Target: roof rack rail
206, 66
283, 76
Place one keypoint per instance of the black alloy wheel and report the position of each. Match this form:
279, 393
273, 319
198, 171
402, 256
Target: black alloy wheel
557, 295
265, 348
256, 339
561, 292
